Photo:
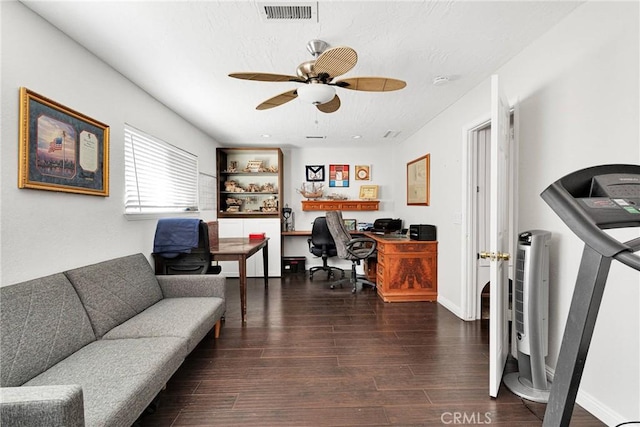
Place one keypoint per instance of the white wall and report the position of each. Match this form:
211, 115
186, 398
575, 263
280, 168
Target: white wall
44, 232
578, 90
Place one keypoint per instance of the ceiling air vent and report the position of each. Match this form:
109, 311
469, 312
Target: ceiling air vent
289, 12
391, 134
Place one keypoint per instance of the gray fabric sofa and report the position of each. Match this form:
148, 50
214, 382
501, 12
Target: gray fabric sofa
93, 346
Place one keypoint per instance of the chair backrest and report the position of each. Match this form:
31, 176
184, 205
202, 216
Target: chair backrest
320, 234
339, 232
197, 261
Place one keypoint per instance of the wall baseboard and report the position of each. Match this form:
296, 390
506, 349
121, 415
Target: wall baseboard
592, 405
449, 305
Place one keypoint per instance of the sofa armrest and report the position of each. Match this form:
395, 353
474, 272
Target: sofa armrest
192, 285
59, 405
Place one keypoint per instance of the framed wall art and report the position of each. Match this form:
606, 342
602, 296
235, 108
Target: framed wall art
418, 181
338, 175
368, 192
61, 149
363, 172
315, 173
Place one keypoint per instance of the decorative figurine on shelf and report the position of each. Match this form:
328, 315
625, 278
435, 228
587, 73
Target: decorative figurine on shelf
272, 169
233, 166
254, 166
233, 201
233, 187
313, 191
253, 188
337, 196
268, 188
270, 205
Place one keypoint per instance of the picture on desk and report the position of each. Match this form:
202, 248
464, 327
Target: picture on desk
350, 224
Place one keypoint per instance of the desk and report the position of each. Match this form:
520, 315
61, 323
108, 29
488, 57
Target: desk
407, 270
307, 233
239, 249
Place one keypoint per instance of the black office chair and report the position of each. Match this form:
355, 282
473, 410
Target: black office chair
321, 244
196, 261
353, 249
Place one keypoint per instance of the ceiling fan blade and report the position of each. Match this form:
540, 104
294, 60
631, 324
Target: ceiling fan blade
278, 100
266, 77
371, 84
335, 61
331, 106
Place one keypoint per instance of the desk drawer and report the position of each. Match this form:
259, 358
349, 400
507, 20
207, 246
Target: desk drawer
380, 270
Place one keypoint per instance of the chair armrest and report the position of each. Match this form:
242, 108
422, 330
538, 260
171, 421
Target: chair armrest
192, 285
365, 247
59, 405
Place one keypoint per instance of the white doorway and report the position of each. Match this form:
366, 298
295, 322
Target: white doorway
477, 154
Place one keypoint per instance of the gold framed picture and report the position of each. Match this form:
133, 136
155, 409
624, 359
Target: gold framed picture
368, 192
61, 149
363, 172
350, 224
418, 181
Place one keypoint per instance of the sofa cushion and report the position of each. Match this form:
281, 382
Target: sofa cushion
116, 290
189, 318
42, 321
119, 378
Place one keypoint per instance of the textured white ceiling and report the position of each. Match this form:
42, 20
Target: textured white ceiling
181, 52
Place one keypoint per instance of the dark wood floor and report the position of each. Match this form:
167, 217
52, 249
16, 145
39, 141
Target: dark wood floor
311, 356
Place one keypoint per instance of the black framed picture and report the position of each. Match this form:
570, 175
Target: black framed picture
315, 173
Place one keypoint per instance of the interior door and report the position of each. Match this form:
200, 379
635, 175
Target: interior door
499, 237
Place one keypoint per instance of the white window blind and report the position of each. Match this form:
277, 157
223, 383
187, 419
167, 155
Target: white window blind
207, 195
159, 177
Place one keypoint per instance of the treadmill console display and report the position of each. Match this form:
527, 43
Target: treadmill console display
619, 191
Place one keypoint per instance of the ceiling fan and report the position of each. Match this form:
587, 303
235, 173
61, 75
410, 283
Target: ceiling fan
317, 76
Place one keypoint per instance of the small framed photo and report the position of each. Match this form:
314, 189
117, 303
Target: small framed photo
61, 149
368, 192
315, 173
350, 224
363, 172
338, 175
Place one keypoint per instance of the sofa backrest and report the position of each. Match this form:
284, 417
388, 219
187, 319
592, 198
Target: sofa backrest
114, 291
42, 321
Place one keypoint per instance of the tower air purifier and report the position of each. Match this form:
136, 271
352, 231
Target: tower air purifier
531, 310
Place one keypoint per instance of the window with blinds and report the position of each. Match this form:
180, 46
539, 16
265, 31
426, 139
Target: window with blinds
159, 177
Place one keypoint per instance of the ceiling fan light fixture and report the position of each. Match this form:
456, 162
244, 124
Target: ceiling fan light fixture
316, 93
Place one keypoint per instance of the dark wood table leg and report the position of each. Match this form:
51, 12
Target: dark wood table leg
243, 288
265, 261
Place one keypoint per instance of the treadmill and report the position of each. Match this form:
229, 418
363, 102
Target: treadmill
589, 201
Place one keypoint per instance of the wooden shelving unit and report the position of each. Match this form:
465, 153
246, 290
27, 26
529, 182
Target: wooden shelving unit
249, 192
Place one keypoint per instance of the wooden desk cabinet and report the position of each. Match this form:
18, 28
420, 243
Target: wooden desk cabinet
407, 270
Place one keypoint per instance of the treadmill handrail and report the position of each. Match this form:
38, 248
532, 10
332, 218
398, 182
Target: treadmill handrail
629, 259
570, 211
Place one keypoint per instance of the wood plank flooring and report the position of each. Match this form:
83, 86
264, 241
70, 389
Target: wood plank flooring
312, 356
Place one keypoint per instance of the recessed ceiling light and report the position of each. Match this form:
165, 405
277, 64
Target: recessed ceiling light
266, 135
357, 136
